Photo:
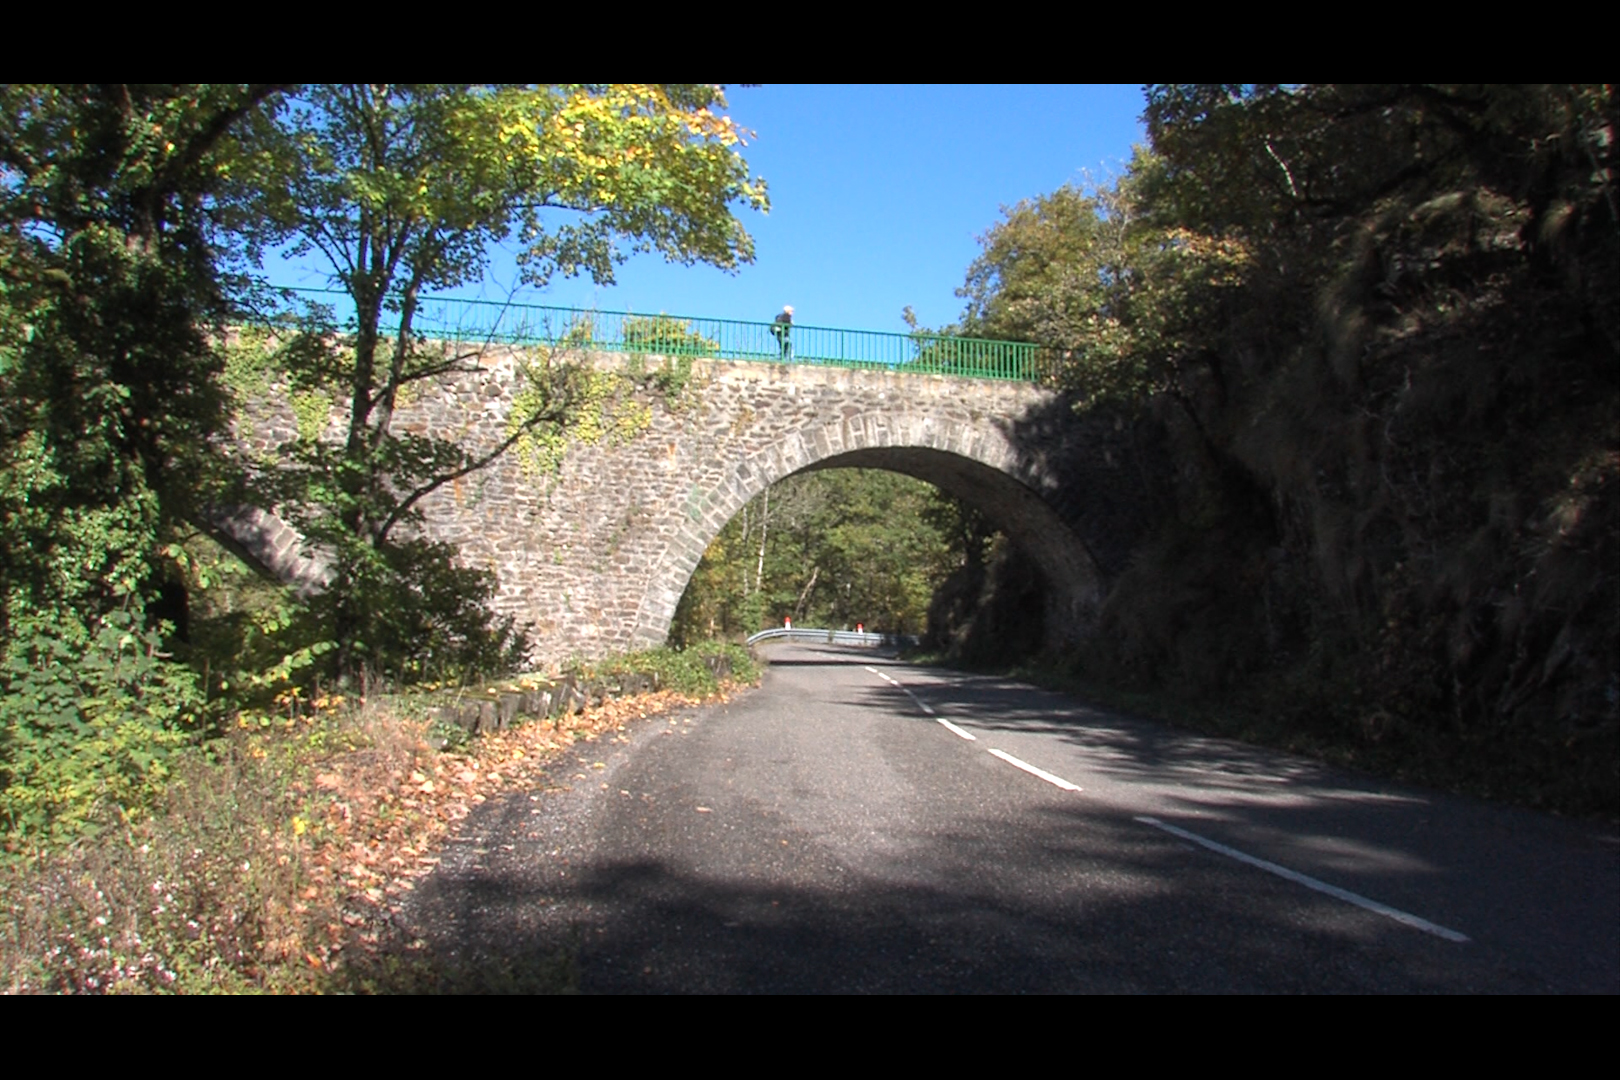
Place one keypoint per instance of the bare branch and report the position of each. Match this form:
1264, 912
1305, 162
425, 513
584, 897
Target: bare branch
451, 366
1281, 164
558, 412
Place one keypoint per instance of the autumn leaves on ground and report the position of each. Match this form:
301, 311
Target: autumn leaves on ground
280, 864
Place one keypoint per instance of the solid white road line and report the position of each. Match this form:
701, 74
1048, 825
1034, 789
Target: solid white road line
954, 730
1402, 917
1033, 771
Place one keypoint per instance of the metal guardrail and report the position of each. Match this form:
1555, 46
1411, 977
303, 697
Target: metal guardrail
719, 339
865, 639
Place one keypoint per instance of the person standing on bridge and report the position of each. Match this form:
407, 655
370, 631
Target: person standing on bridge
782, 330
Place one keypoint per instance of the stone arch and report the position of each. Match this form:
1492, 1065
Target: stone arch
267, 543
978, 463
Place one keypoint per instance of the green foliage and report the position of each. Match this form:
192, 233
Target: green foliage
1115, 295
411, 613
676, 341
666, 336
980, 614
437, 173
109, 397
312, 409
832, 548
88, 729
696, 670
559, 403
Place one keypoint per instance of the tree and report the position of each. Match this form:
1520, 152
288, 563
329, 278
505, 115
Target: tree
109, 398
835, 548
402, 190
1117, 294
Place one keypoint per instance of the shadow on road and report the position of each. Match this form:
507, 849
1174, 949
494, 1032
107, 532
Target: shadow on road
645, 926
1080, 897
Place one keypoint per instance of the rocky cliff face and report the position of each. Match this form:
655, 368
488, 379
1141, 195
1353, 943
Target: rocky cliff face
1401, 533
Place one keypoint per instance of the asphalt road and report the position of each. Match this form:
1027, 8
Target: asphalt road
837, 830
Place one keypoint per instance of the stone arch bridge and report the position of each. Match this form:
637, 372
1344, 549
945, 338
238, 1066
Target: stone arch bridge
595, 556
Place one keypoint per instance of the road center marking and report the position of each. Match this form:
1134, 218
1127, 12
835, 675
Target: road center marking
954, 730
1056, 781
915, 700
918, 702
1402, 917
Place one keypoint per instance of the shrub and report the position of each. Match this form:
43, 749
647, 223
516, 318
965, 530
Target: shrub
88, 729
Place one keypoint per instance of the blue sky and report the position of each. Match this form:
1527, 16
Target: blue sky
877, 196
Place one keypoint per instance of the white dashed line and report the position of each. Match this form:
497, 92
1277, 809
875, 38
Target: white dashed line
1056, 781
918, 702
1402, 917
894, 683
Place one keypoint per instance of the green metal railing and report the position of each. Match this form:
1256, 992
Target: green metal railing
720, 339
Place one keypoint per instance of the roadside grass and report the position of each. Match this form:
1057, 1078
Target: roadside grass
280, 858
696, 670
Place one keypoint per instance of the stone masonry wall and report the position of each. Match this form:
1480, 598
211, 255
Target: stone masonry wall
596, 555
